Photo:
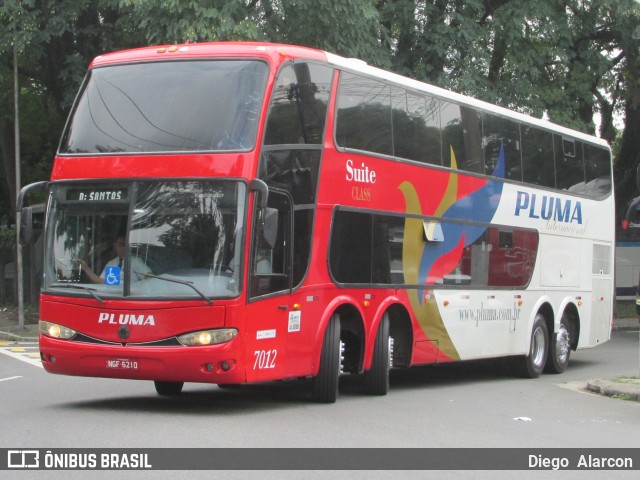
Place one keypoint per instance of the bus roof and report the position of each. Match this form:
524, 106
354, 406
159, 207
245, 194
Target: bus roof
277, 53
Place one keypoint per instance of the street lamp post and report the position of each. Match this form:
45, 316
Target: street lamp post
19, 269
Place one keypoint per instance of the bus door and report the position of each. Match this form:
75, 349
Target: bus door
269, 311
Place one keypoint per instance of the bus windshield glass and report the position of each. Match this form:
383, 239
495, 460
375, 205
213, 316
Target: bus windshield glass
175, 106
151, 239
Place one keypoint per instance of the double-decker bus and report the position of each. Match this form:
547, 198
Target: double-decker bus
246, 212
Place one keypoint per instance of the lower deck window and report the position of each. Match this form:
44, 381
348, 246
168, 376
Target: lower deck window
370, 248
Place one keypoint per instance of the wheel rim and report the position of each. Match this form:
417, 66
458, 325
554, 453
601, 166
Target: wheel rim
538, 347
562, 344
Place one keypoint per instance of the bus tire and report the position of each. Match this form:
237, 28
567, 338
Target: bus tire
376, 379
532, 364
559, 349
229, 386
325, 384
168, 388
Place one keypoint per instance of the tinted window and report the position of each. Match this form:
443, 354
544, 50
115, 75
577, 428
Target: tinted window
416, 124
434, 134
537, 157
597, 167
367, 249
462, 134
351, 248
295, 171
424, 129
501, 257
386, 250
364, 115
473, 160
451, 133
569, 164
498, 132
168, 106
299, 105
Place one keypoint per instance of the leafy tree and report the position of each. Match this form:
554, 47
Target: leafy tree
628, 82
55, 41
176, 21
347, 27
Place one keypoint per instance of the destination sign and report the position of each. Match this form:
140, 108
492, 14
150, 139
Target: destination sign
97, 194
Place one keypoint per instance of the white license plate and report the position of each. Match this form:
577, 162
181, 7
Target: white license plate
122, 364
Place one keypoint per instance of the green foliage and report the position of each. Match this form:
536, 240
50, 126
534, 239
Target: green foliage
7, 244
347, 27
177, 21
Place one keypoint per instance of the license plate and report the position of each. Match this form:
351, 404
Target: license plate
122, 364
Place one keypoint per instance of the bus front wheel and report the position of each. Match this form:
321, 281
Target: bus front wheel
168, 388
325, 384
532, 364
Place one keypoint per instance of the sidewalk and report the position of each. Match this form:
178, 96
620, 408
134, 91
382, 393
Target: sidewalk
619, 387
623, 388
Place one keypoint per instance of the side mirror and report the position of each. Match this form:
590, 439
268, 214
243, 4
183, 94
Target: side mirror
36, 187
26, 213
262, 191
26, 226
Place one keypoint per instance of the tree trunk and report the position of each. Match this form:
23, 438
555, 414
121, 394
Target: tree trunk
629, 155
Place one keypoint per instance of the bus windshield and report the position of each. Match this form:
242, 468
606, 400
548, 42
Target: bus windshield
211, 105
151, 239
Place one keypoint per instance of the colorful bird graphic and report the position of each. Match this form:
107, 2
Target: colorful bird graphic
456, 225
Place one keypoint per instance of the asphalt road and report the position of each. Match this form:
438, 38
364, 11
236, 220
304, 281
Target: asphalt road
465, 405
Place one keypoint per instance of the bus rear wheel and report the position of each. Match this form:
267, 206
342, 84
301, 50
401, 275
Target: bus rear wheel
376, 379
559, 349
168, 388
325, 384
532, 364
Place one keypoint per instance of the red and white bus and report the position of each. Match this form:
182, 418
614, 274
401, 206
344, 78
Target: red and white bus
245, 212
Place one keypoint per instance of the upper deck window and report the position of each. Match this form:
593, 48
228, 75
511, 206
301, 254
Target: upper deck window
204, 105
299, 105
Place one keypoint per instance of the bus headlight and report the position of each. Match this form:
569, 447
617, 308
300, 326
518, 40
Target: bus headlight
208, 337
56, 331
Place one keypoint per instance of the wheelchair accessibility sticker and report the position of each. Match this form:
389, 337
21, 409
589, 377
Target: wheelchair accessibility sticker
112, 275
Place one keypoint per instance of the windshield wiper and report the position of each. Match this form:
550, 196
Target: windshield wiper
181, 282
90, 291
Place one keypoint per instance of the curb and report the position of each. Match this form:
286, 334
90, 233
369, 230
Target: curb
625, 323
615, 389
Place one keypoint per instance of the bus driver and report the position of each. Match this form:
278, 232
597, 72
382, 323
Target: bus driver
138, 267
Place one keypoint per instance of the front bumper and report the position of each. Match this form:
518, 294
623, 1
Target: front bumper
222, 363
